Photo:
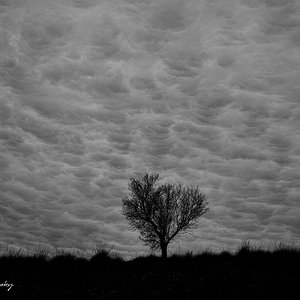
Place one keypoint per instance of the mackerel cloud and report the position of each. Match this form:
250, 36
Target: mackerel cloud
94, 92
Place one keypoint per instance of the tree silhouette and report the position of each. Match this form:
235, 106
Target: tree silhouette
160, 213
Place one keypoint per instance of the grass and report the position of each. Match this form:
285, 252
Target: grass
251, 272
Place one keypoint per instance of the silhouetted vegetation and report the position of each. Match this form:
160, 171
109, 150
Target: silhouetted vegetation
161, 213
249, 273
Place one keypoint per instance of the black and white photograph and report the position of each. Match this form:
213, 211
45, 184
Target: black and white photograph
149, 149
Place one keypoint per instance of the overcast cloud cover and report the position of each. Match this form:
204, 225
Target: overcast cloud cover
94, 92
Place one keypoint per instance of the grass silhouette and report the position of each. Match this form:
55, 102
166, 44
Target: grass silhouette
249, 273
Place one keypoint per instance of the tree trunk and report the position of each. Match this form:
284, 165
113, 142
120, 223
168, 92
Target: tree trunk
164, 251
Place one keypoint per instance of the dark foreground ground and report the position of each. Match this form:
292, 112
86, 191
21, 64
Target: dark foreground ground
249, 274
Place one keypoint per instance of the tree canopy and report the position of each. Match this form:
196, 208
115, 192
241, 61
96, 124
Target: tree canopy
162, 212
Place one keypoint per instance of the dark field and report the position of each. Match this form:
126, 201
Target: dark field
248, 274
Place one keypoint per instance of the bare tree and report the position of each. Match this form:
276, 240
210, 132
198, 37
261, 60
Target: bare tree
160, 213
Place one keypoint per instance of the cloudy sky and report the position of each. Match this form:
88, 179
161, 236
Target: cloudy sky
94, 92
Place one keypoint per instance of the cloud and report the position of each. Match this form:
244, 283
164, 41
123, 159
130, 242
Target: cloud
84, 3
93, 93
44, 32
5, 2
170, 15
105, 39
108, 86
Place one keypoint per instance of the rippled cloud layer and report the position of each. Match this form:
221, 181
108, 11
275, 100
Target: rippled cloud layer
94, 92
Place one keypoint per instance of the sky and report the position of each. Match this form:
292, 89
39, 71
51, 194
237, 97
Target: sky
95, 92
